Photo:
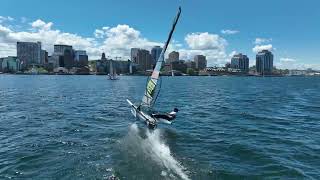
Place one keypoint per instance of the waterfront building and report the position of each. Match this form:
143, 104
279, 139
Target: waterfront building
59, 49
83, 61
121, 67
29, 53
227, 65
64, 54
54, 60
134, 54
68, 58
142, 58
240, 61
44, 57
10, 64
201, 62
50, 65
101, 67
81, 58
103, 56
1, 59
155, 54
191, 64
264, 62
179, 66
78, 53
173, 56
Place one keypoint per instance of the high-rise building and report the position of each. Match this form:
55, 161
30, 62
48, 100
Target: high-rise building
60, 49
10, 64
240, 61
155, 53
29, 53
173, 56
81, 58
144, 59
264, 62
134, 54
141, 57
68, 58
44, 57
201, 62
65, 56
83, 61
78, 53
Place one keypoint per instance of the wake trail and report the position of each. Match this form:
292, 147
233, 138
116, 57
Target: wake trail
158, 151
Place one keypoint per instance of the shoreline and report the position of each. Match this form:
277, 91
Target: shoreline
224, 75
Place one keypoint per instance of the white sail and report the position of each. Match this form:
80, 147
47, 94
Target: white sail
112, 71
111, 68
149, 95
172, 72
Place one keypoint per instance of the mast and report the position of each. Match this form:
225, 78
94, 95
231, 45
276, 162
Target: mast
111, 68
149, 98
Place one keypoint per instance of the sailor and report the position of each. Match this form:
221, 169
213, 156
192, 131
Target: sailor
167, 116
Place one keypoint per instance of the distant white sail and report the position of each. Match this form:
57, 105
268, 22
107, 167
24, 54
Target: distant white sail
112, 71
111, 68
149, 95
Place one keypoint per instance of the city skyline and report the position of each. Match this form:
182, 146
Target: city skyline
218, 37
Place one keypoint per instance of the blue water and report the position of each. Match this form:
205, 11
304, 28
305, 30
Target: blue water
79, 127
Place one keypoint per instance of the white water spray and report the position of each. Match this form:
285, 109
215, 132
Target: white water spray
158, 151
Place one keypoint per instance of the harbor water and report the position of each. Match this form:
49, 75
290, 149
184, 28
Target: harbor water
80, 127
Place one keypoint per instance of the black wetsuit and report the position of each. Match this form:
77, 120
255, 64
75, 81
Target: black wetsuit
168, 116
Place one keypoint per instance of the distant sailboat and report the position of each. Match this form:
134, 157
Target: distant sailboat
172, 72
112, 72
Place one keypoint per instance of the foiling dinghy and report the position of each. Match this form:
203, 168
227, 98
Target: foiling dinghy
145, 109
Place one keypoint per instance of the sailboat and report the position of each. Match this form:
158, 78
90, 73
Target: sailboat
144, 109
172, 71
112, 72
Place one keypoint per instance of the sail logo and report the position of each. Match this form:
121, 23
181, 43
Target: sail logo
151, 87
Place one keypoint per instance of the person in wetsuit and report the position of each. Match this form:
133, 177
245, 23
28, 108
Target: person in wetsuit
167, 116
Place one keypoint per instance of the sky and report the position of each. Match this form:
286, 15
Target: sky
215, 28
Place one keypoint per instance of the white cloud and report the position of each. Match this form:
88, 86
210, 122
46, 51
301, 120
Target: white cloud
41, 32
287, 60
101, 33
120, 39
292, 63
232, 54
262, 41
229, 32
211, 45
39, 24
205, 41
8, 18
114, 41
259, 48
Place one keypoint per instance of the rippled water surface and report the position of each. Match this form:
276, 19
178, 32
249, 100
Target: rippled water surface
79, 127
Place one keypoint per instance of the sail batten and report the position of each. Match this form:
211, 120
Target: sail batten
148, 98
